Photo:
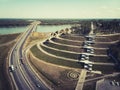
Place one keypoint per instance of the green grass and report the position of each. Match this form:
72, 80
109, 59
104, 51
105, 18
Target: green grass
100, 59
67, 48
102, 45
67, 42
50, 78
99, 51
79, 38
104, 68
42, 56
114, 37
98, 39
62, 54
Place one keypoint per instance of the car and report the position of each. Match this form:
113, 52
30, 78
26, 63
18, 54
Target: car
88, 50
112, 83
85, 66
90, 65
90, 38
11, 68
117, 83
91, 52
38, 85
87, 57
90, 68
84, 57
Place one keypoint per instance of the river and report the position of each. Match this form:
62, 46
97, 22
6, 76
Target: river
41, 28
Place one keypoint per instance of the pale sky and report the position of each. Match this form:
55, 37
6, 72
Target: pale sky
60, 9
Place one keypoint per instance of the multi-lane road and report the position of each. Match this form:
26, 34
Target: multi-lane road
23, 76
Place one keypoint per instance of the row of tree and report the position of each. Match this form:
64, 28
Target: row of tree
105, 26
13, 22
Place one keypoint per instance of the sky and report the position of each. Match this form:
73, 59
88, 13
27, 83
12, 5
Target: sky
60, 9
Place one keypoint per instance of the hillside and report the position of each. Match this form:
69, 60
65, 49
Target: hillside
64, 49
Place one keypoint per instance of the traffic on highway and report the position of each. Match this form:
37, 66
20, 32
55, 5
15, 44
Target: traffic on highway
21, 74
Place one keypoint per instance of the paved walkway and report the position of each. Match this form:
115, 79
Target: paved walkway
81, 80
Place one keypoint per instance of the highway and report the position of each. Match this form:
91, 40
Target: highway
22, 76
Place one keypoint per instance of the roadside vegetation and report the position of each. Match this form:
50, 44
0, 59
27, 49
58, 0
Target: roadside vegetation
4, 83
14, 22
60, 53
7, 38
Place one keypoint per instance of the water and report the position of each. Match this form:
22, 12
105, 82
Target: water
12, 30
41, 28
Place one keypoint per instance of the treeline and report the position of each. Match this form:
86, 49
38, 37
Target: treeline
59, 21
100, 25
24, 22
13, 22
108, 26
104, 26
115, 51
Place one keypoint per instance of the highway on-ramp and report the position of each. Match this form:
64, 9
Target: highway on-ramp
22, 76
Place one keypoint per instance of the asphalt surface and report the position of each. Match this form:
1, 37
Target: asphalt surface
23, 77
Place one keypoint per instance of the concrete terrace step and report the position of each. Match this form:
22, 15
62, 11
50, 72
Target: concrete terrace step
74, 49
39, 53
73, 45
68, 42
71, 37
77, 54
101, 46
78, 43
69, 59
62, 47
98, 40
109, 34
59, 52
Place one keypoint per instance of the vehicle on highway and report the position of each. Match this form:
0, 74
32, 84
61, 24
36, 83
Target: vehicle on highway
11, 68
38, 85
114, 83
21, 59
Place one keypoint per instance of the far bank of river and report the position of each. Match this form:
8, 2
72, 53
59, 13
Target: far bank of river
41, 28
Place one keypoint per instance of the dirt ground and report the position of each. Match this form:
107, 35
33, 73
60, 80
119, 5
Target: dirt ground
36, 36
4, 84
58, 77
